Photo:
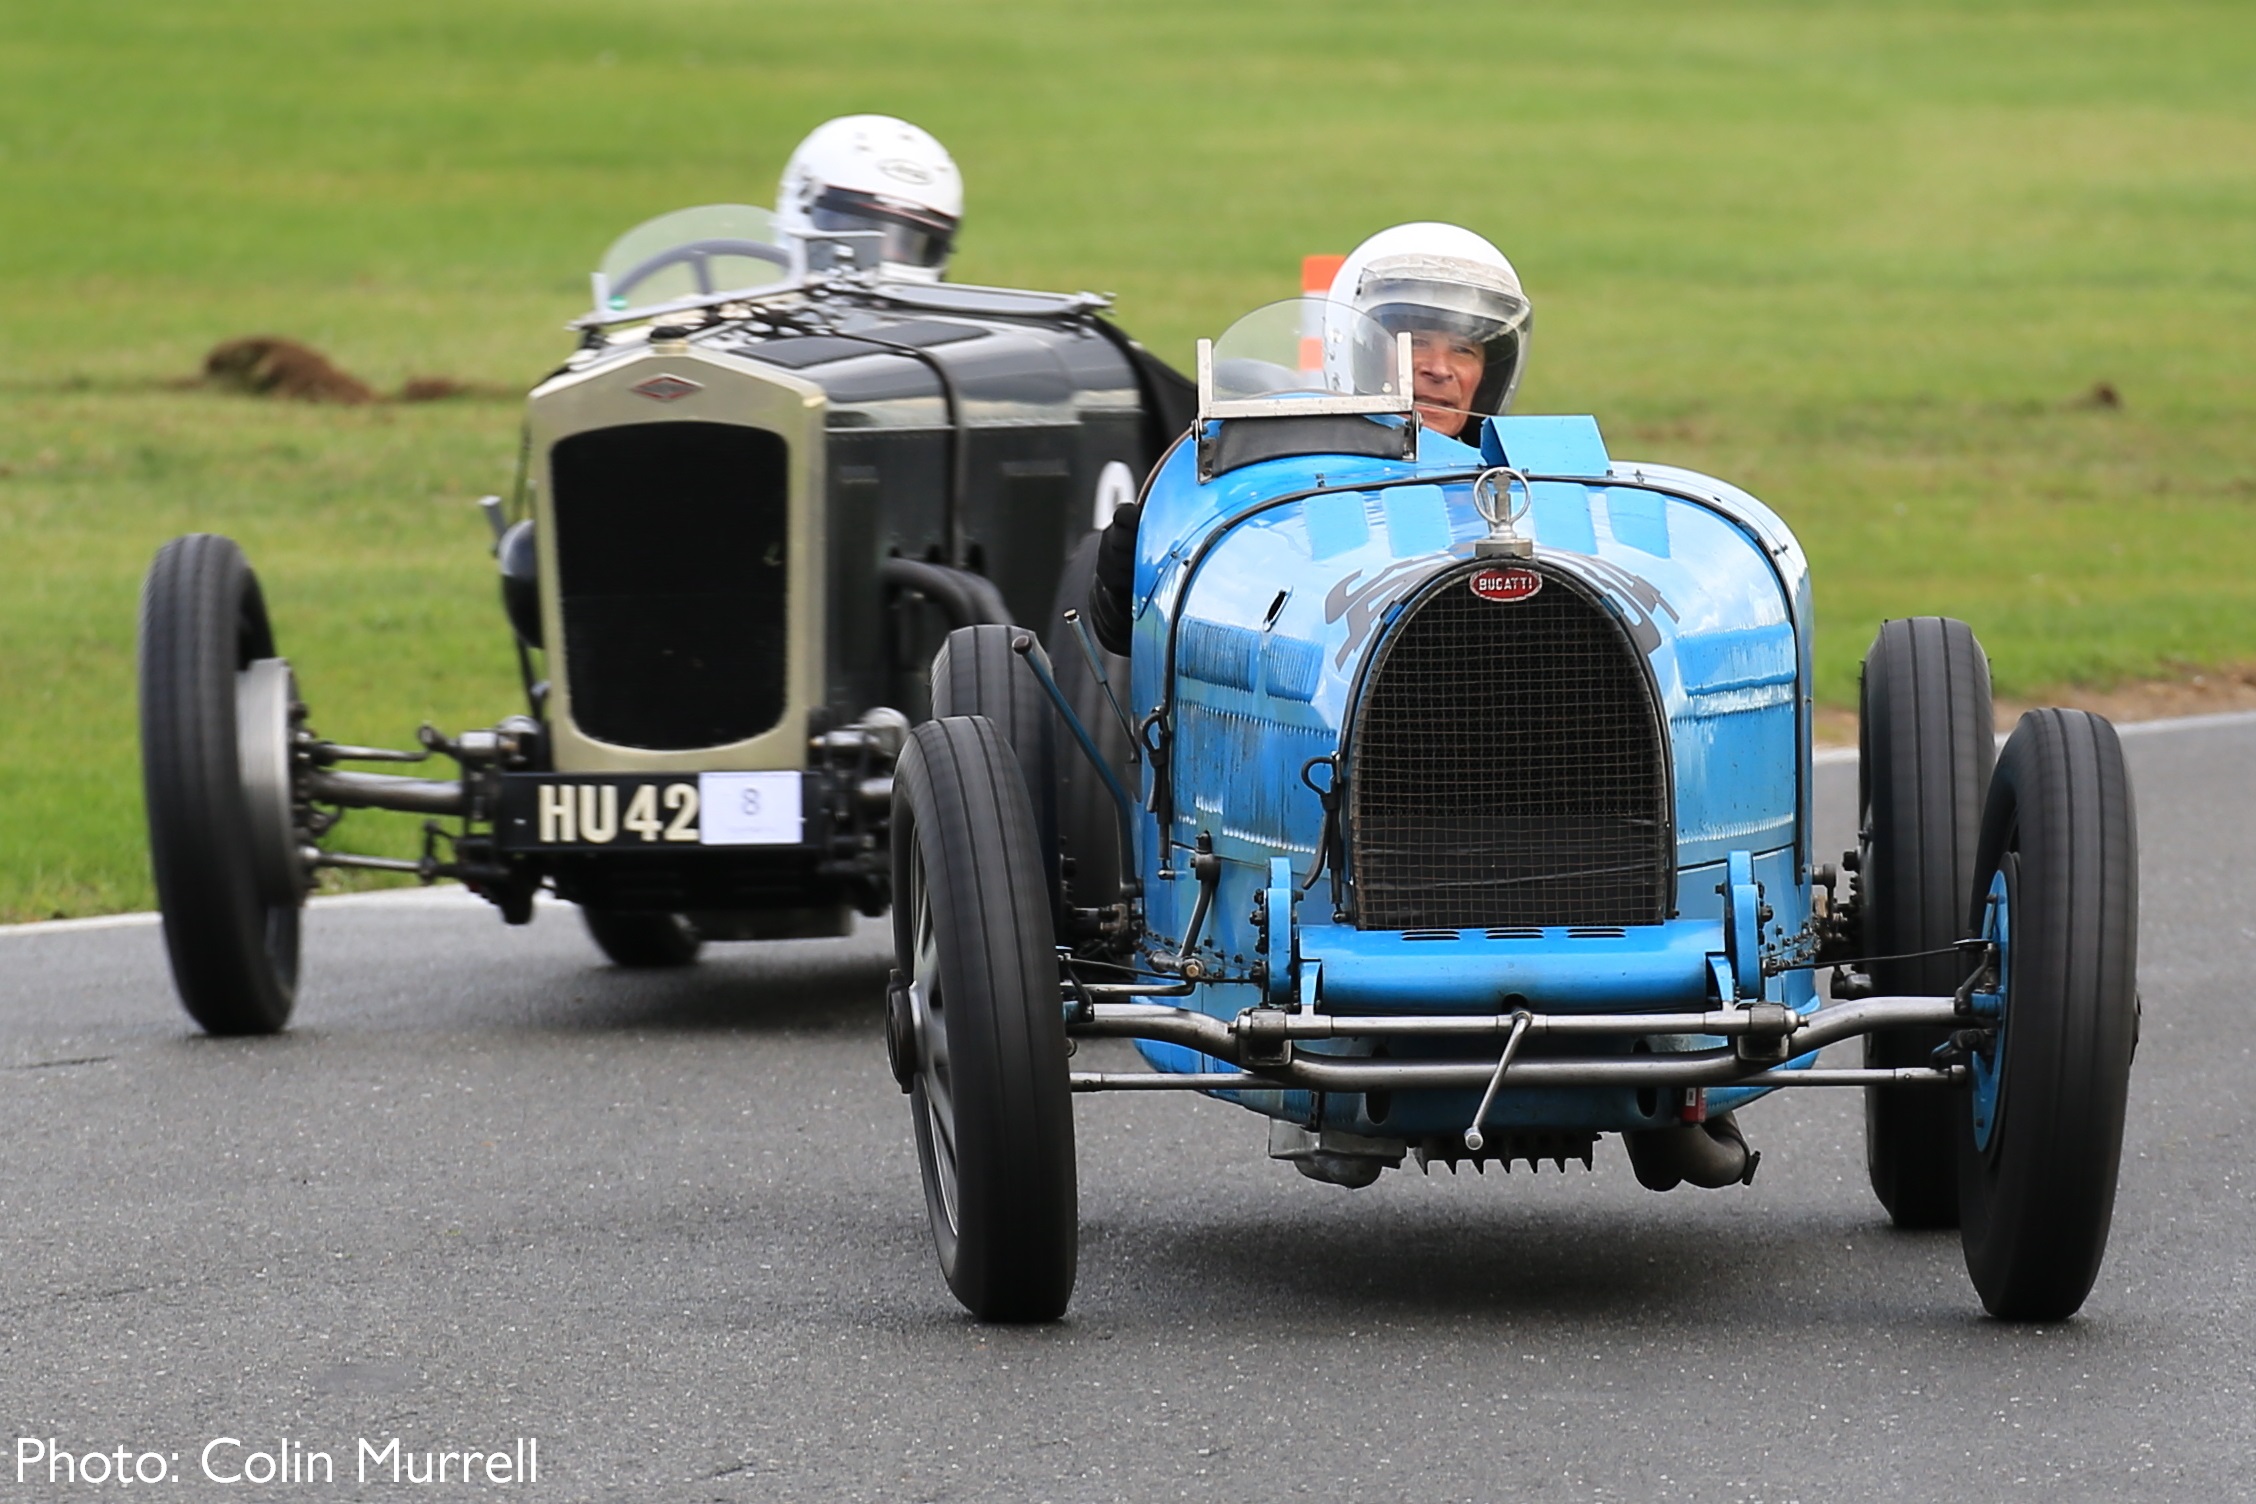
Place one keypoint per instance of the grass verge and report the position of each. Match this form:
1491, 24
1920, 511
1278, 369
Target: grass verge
1867, 261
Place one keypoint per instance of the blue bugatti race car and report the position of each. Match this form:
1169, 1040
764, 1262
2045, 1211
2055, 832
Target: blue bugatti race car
1452, 801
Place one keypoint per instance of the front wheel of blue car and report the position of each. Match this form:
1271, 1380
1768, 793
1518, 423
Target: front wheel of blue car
1925, 754
982, 1036
2041, 1139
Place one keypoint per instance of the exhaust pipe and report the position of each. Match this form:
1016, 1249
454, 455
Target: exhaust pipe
1709, 1155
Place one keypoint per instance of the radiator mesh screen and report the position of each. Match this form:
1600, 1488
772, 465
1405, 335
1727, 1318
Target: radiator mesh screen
671, 540
1507, 770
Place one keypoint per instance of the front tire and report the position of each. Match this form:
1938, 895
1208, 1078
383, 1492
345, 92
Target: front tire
984, 1043
643, 942
1926, 745
231, 905
976, 673
2041, 1146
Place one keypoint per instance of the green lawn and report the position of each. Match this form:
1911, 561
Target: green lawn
1866, 260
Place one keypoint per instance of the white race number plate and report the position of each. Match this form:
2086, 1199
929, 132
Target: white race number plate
749, 809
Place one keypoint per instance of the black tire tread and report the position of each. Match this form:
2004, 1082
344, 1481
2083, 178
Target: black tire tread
2038, 1206
975, 673
642, 942
1927, 744
203, 618
964, 804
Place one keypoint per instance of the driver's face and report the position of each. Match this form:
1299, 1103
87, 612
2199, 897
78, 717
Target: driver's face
1445, 371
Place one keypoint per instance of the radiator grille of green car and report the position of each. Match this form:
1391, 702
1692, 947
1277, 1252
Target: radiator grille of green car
671, 549
1507, 768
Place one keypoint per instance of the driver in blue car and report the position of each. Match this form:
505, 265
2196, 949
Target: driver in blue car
1460, 302
875, 172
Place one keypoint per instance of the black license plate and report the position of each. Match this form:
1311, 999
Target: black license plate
646, 812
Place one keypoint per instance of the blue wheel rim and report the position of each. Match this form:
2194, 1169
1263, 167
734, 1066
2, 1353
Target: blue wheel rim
1990, 1008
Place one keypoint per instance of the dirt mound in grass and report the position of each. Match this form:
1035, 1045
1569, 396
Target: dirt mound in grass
271, 365
434, 389
268, 365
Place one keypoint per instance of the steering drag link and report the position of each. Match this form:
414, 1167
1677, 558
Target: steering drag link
1521, 1021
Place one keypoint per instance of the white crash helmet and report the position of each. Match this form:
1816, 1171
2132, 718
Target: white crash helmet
1430, 276
873, 172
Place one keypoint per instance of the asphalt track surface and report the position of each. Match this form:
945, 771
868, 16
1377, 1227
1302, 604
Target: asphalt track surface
489, 1188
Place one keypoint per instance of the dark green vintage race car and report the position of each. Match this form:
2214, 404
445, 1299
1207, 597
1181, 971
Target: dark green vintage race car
752, 502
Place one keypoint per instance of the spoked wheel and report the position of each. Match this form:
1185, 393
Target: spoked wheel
975, 1026
219, 774
1926, 749
642, 942
2041, 1143
976, 673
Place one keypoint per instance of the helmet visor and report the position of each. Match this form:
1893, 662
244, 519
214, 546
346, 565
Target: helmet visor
1450, 295
1408, 301
913, 235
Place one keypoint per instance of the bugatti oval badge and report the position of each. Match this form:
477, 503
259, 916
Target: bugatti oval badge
1512, 584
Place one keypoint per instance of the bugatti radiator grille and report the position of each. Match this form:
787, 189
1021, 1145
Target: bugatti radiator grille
671, 541
1507, 769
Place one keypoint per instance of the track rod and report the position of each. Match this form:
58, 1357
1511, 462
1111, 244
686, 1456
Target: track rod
1082, 1081
421, 796
1799, 1033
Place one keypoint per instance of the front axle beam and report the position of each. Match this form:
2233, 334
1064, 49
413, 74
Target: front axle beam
1259, 1040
